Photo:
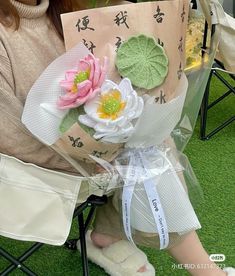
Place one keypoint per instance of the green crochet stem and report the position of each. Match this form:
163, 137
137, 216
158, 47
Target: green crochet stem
71, 118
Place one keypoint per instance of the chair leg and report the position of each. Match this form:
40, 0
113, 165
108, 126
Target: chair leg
89, 218
72, 243
18, 263
82, 232
204, 109
92, 202
223, 125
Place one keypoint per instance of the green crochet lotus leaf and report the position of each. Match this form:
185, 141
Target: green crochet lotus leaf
143, 61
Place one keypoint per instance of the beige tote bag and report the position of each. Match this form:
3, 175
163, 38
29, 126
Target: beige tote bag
37, 204
226, 48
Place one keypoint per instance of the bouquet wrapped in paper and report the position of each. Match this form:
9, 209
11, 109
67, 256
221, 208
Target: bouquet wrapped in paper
114, 99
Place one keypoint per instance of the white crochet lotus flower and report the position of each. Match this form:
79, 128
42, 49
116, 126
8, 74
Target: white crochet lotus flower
113, 112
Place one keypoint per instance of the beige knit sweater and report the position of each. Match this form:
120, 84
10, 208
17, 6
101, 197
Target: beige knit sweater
24, 54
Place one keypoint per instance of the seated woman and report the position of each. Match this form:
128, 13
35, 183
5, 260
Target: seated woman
30, 39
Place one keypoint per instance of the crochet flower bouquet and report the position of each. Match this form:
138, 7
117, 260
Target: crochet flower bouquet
114, 98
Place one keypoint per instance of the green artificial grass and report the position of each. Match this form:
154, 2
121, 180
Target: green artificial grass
213, 162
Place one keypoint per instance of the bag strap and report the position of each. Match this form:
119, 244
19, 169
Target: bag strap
213, 12
219, 20
216, 18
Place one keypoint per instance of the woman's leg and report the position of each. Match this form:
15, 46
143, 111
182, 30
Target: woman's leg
101, 240
191, 253
108, 229
188, 252
107, 225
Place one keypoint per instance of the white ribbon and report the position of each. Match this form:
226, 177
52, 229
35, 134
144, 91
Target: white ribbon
155, 202
128, 190
138, 168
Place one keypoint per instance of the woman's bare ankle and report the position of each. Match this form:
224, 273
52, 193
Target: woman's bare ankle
102, 240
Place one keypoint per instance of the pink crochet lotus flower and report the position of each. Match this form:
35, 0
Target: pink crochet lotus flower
83, 84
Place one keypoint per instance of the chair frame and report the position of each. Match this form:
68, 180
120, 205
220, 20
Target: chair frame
18, 262
205, 106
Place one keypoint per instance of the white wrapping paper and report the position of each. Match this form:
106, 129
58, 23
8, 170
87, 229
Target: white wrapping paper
41, 116
158, 120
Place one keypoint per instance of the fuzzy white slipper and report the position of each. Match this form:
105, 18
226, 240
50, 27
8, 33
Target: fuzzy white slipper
118, 259
230, 271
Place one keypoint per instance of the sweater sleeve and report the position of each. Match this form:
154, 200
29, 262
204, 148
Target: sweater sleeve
15, 139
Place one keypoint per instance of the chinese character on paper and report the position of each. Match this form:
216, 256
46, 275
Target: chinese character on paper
83, 24
180, 71
99, 153
183, 14
121, 18
90, 45
159, 15
180, 47
161, 99
118, 42
160, 42
76, 142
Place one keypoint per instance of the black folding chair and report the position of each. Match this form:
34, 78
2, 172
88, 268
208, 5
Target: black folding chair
18, 262
206, 106
205, 102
